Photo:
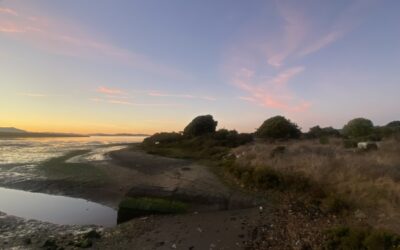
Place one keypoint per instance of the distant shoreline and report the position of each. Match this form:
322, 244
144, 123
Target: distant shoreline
6, 135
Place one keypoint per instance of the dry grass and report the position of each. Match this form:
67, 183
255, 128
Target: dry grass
370, 180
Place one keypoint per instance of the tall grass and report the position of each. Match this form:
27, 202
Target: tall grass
369, 179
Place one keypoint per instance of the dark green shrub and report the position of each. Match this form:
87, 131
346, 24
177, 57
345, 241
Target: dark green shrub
324, 140
231, 138
359, 127
318, 132
163, 137
334, 204
267, 178
343, 238
278, 127
393, 124
348, 143
200, 125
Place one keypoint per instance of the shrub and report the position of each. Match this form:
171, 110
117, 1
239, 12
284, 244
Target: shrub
200, 125
163, 137
231, 138
334, 204
324, 140
359, 127
278, 127
318, 132
393, 124
360, 238
348, 143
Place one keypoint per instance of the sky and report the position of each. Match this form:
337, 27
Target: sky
147, 66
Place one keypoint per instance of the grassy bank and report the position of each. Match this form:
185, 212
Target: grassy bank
323, 177
367, 180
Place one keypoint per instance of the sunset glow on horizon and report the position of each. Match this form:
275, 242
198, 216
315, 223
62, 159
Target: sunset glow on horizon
148, 66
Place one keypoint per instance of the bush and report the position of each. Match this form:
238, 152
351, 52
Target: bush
318, 132
200, 125
347, 143
163, 137
393, 124
278, 127
359, 127
324, 140
360, 238
334, 204
231, 138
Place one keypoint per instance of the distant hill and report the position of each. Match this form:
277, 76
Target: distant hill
11, 130
121, 134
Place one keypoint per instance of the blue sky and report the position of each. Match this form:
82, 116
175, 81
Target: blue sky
146, 66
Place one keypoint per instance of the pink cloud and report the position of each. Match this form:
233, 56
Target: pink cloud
185, 96
59, 37
109, 91
271, 93
140, 104
8, 11
254, 58
295, 29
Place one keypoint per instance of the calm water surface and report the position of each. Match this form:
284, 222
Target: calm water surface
18, 160
56, 209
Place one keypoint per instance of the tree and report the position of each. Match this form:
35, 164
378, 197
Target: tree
201, 125
318, 132
358, 127
278, 127
393, 124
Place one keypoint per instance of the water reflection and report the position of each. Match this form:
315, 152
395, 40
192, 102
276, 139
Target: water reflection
55, 209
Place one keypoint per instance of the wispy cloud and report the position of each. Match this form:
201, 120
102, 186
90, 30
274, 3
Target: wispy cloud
109, 91
128, 103
63, 38
271, 93
8, 11
262, 65
185, 96
124, 97
31, 94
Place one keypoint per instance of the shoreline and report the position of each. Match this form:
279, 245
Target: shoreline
130, 172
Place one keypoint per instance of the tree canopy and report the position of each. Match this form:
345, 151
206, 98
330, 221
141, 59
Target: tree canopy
358, 127
201, 125
278, 127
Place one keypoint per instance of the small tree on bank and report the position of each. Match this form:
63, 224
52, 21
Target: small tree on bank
278, 127
201, 125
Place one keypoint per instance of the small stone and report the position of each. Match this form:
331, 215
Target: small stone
173, 246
